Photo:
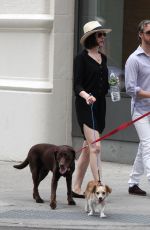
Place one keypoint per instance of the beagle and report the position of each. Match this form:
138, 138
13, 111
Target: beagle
95, 195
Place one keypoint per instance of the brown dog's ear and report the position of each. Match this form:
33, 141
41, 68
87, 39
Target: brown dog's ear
108, 189
55, 155
55, 151
74, 154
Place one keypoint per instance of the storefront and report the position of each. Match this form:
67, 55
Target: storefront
122, 16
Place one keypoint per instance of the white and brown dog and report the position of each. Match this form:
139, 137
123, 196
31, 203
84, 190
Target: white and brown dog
95, 195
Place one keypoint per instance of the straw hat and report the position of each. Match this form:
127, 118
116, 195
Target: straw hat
90, 28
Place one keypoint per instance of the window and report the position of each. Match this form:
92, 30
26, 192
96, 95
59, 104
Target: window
110, 13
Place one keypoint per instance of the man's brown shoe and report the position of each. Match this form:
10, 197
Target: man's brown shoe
135, 190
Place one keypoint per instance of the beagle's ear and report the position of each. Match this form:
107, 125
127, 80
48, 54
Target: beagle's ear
94, 189
108, 189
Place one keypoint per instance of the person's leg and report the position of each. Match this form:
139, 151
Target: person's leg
137, 169
143, 130
95, 160
142, 160
82, 165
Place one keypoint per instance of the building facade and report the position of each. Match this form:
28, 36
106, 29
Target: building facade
36, 50
38, 41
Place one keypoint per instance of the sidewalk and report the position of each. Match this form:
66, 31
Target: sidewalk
18, 209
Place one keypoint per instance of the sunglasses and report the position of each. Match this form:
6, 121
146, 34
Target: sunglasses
100, 34
147, 32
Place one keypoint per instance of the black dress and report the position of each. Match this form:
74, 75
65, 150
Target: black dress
91, 77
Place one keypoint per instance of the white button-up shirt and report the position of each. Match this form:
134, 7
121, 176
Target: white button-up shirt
137, 76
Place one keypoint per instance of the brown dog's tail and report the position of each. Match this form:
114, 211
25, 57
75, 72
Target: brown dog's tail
22, 165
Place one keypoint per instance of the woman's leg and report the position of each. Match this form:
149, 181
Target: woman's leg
81, 168
95, 159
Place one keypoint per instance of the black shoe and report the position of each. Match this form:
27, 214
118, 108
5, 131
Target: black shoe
135, 190
76, 195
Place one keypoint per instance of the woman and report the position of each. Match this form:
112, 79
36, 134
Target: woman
90, 86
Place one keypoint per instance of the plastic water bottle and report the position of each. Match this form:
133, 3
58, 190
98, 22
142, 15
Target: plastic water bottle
114, 87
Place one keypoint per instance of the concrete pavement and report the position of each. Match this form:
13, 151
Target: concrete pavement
19, 211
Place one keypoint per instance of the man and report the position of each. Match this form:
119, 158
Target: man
137, 82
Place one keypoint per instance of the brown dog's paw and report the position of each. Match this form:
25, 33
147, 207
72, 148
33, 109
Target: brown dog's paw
71, 202
53, 205
39, 200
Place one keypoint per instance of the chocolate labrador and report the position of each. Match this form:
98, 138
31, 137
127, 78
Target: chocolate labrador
43, 158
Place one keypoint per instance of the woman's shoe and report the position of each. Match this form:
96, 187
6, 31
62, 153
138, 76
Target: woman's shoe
76, 195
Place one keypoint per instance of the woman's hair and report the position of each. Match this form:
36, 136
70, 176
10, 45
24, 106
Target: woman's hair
141, 26
90, 42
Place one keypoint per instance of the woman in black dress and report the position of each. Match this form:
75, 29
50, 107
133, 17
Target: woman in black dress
90, 87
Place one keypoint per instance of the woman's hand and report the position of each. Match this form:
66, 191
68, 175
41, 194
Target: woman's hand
90, 99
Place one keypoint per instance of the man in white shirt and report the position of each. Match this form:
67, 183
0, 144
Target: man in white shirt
137, 83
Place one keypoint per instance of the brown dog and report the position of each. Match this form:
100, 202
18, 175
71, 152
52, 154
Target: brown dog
43, 158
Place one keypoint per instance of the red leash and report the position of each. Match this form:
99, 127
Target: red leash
120, 127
